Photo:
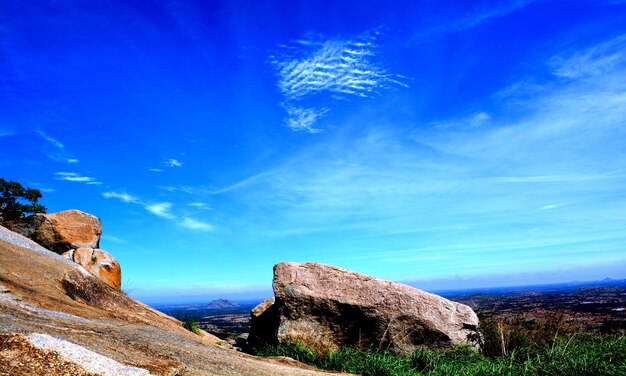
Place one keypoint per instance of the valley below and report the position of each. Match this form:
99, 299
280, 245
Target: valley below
598, 307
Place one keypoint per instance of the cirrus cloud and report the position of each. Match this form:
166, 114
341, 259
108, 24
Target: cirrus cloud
333, 68
161, 209
194, 224
75, 177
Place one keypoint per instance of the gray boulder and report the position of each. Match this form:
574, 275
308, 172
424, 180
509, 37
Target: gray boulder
325, 307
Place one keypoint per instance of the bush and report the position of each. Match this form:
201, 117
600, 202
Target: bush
15, 200
192, 326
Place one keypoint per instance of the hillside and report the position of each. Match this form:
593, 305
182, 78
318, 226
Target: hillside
222, 304
56, 318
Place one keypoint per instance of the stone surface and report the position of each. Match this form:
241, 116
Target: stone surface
60, 232
263, 323
99, 263
44, 294
324, 307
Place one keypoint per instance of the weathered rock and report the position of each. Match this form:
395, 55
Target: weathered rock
241, 340
325, 307
60, 232
264, 323
99, 263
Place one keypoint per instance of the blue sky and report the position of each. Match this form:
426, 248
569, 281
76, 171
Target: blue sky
452, 144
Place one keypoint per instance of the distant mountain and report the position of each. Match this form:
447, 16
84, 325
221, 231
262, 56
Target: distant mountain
222, 304
553, 287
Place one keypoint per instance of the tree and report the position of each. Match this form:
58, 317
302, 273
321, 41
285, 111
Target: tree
15, 200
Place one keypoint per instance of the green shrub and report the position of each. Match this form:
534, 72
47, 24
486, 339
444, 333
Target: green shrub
192, 326
15, 200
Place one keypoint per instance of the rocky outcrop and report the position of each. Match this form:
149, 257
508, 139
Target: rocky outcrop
76, 236
60, 232
58, 319
264, 321
99, 263
324, 307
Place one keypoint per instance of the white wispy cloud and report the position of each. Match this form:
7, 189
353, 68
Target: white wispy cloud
75, 177
161, 209
164, 210
155, 169
333, 68
176, 188
303, 119
173, 163
504, 8
551, 206
592, 61
487, 14
53, 141
343, 67
200, 205
472, 121
196, 225
55, 149
125, 197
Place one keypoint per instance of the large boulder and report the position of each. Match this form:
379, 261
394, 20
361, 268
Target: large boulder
324, 308
60, 232
99, 263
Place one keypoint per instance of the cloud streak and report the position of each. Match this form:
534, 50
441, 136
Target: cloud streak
76, 177
171, 163
53, 141
328, 68
473, 20
592, 61
199, 205
161, 209
196, 225
164, 210
59, 152
124, 197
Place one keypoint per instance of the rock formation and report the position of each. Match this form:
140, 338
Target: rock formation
58, 319
75, 235
60, 232
99, 263
325, 307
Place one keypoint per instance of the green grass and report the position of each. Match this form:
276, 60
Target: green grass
582, 354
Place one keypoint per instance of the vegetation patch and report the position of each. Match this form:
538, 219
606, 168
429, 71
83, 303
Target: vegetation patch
585, 354
192, 326
16, 201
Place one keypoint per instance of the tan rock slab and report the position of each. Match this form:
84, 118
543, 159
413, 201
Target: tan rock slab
325, 307
99, 263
